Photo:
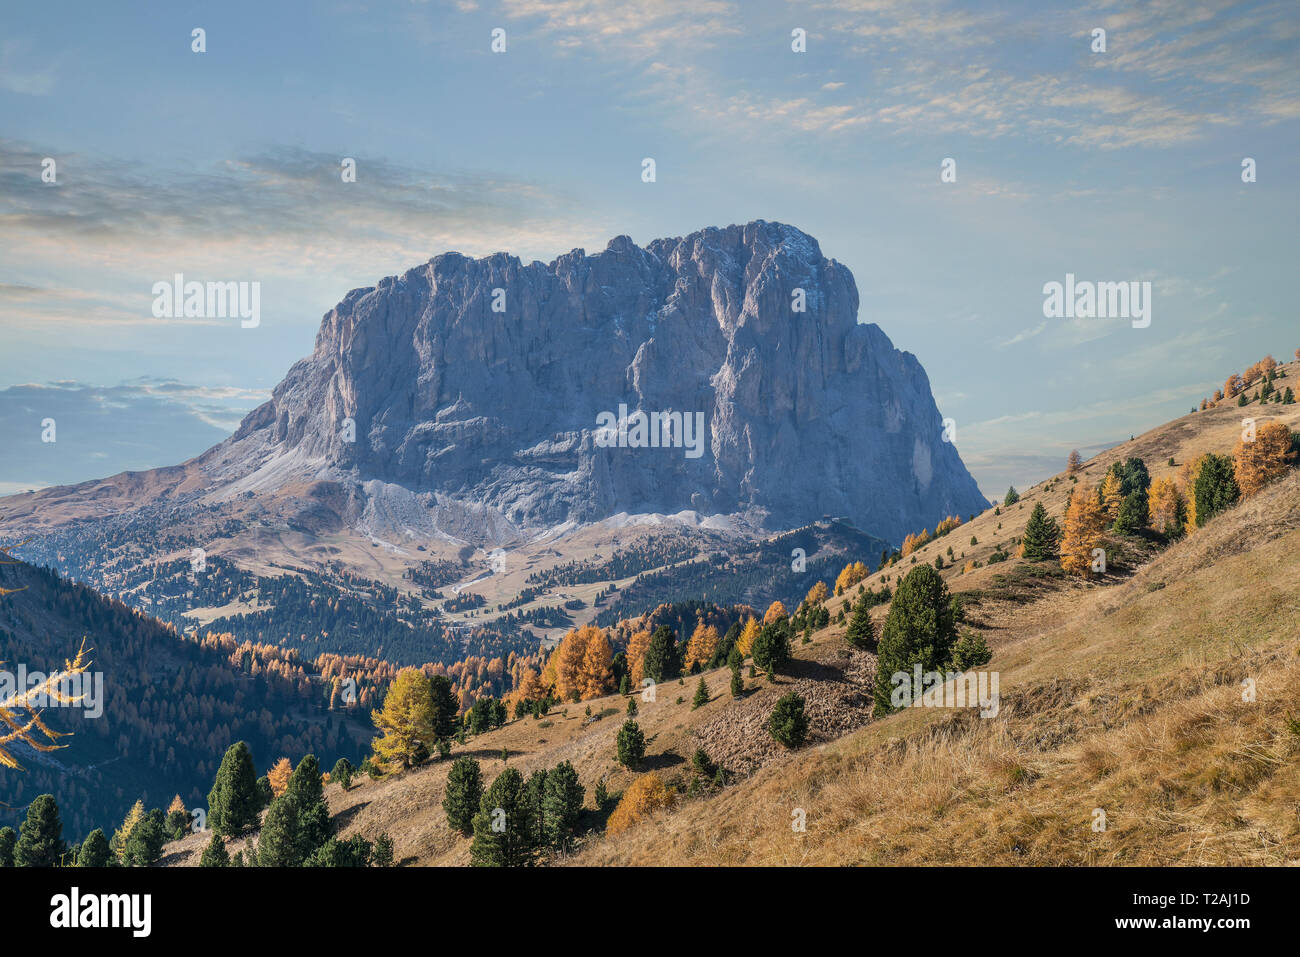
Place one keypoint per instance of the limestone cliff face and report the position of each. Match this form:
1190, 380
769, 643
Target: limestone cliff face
420, 383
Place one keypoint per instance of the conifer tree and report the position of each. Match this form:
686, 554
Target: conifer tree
40, 838
504, 829
1112, 495
919, 629
214, 855
970, 651
737, 682
772, 646
234, 801
1264, 460
278, 776
1012, 497
561, 805
788, 724
342, 773
630, 744
95, 851
306, 788
133, 817
1132, 516
145, 842
1074, 462
460, 799
1216, 488
701, 695
861, 634
534, 792
1041, 536
8, 838
661, 658
278, 843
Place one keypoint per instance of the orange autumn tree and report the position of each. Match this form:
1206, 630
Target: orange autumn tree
912, 542
1111, 497
947, 525
279, 776
636, 649
1267, 458
816, 595
644, 796
1167, 506
1084, 523
20, 716
775, 612
852, 573
703, 643
583, 664
747, 635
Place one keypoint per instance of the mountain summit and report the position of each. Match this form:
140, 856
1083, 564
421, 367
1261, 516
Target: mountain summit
470, 394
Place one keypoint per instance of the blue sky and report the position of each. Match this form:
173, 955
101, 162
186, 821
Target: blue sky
1115, 166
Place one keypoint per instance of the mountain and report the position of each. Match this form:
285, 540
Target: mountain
427, 430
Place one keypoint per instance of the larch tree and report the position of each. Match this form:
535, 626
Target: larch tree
278, 776
406, 722
636, 649
816, 595
20, 720
1074, 462
1112, 496
597, 676
1085, 522
775, 612
704, 641
1167, 507
747, 635
1267, 458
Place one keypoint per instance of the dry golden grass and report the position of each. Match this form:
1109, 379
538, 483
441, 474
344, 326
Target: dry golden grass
1130, 702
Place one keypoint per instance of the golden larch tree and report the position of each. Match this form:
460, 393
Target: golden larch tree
1084, 524
851, 574
597, 664
775, 612
405, 723
279, 776
816, 595
643, 797
703, 643
747, 635
636, 649
1165, 502
1267, 458
1111, 497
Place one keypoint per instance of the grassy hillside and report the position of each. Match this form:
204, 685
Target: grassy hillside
1124, 694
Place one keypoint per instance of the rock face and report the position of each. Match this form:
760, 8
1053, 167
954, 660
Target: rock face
480, 386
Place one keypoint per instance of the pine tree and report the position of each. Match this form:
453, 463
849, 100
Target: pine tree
145, 842
95, 851
1084, 523
737, 682
306, 788
1012, 497
861, 634
1216, 488
234, 801
919, 629
382, 855
788, 724
970, 651
701, 695
504, 828
461, 796
278, 844
661, 660
561, 805
40, 838
342, 773
1133, 515
772, 646
631, 744
214, 855
8, 838
1041, 536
